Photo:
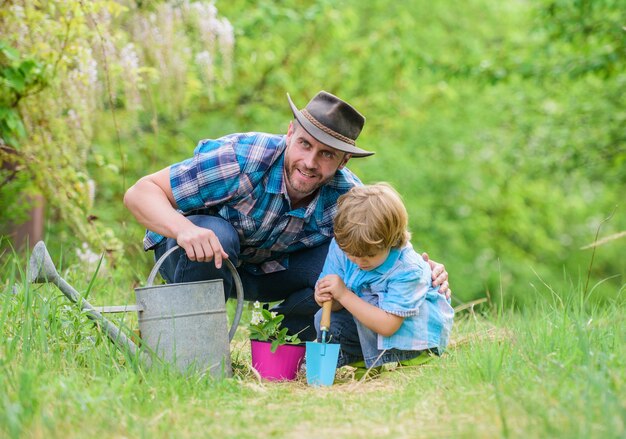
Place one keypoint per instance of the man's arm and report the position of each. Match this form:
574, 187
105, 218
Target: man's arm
151, 201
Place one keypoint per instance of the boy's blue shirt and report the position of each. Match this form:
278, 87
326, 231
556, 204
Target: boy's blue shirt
403, 287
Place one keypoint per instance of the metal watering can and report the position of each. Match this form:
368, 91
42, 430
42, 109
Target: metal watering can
183, 324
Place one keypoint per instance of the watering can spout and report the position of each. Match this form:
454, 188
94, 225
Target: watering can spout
163, 319
42, 270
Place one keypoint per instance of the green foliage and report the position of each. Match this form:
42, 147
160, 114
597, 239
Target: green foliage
18, 77
265, 326
589, 33
54, 105
501, 123
94, 56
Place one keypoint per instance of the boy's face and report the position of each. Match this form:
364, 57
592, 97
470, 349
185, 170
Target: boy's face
369, 262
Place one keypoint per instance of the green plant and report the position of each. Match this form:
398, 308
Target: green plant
18, 78
265, 326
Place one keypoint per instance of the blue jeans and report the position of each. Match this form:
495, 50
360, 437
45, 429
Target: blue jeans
359, 343
294, 286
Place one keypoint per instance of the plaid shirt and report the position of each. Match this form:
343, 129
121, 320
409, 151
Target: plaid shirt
240, 178
402, 285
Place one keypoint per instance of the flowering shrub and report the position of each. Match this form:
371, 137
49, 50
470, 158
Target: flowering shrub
68, 60
265, 326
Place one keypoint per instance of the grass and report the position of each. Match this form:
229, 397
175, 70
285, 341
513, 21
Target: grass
553, 370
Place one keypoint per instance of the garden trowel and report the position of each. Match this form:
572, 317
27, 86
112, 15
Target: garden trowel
321, 358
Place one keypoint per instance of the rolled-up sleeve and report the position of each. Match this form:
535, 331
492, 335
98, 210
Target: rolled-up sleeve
209, 178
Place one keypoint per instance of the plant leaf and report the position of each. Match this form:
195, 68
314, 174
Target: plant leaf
275, 345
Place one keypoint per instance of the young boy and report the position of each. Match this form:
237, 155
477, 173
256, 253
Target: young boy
385, 308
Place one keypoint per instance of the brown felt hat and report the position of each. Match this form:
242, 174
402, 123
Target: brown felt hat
332, 122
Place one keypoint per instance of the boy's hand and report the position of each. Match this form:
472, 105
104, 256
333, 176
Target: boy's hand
440, 276
331, 287
320, 297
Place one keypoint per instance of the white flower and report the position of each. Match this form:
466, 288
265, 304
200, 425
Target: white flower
257, 318
86, 255
204, 59
257, 305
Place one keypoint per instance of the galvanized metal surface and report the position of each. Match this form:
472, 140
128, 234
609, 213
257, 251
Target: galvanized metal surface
233, 272
117, 308
184, 324
197, 339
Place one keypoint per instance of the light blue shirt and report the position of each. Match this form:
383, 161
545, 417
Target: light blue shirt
402, 286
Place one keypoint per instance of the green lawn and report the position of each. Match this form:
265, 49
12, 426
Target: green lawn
557, 369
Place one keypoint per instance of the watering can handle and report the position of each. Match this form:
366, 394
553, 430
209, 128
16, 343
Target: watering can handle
233, 271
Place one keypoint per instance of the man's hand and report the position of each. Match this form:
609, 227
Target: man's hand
201, 245
440, 276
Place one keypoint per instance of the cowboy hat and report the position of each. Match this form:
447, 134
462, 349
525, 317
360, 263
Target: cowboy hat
332, 122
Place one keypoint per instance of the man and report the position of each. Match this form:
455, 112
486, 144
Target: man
266, 202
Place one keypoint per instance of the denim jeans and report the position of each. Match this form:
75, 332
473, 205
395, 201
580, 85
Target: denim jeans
294, 286
359, 343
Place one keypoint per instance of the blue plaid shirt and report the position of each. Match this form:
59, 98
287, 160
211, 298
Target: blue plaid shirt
402, 285
240, 178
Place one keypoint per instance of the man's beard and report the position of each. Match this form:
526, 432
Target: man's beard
301, 187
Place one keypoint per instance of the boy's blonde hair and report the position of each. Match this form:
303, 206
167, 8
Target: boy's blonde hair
370, 219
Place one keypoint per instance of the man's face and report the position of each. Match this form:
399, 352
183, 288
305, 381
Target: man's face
309, 164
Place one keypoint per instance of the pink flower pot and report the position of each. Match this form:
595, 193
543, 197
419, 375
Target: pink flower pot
276, 366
